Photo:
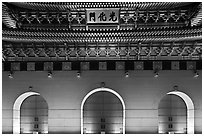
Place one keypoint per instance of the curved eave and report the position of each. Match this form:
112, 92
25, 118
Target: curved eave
115, 40
197, 20
107, 34
17, 38
81, 5
6, 17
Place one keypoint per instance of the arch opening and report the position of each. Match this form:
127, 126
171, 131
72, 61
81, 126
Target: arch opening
34, 115
178, 108
24, 115
102, 111
172, 115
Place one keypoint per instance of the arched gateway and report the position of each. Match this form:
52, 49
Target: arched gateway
176, 113
30, 114
102, 111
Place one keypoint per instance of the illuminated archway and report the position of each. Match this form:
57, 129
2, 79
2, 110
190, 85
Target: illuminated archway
34, 115
16, 110
190, 109
100, 90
